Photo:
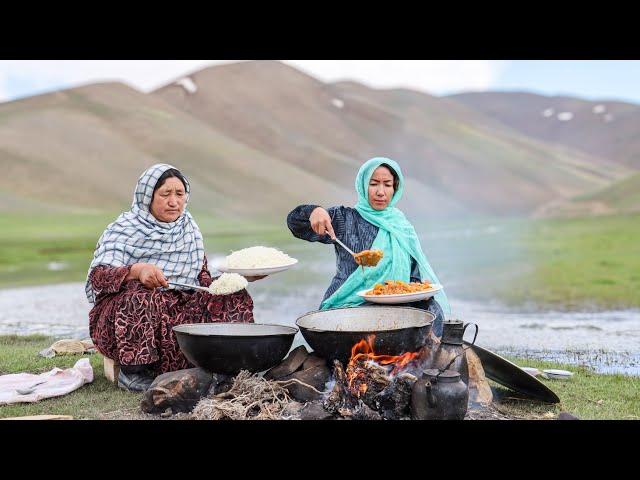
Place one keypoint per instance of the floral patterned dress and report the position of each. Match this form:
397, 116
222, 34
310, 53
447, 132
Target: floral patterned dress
132, 324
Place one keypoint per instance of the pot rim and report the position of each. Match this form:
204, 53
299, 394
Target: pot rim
291, 330
361, 332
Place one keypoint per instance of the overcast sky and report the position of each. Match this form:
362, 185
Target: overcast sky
598, 79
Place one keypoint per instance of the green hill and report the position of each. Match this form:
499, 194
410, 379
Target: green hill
84, 148
257, 138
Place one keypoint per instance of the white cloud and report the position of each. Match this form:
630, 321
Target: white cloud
438, 77
28, 77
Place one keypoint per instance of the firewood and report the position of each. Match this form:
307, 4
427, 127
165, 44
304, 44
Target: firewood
393, 401
340, 400
479, 388
179, 391
367, 378
40, 417
376, 379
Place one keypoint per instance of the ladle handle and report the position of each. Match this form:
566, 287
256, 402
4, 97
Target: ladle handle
344, 246
186, 285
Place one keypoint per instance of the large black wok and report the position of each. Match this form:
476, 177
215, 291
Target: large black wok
230, 347
332, 333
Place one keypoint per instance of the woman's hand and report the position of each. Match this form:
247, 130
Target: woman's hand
149, 275
321, 222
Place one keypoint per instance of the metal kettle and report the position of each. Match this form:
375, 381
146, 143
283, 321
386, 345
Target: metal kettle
449, 354
439, 396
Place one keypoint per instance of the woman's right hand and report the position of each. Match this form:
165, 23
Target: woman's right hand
149, 275
321, 222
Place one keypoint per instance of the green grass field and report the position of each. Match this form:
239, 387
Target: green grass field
581, 262
40, 249
95, 400
587, 395
560, 263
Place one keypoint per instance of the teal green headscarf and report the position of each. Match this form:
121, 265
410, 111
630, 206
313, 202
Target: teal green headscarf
396, 238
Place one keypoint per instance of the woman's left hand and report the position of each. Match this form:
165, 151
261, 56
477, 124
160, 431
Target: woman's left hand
253, 279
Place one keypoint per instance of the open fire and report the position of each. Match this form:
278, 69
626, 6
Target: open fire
364, 364
373, 386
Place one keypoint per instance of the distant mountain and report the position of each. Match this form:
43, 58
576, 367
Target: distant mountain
607, 129
85, 148
478, 160
258, 138
458, 160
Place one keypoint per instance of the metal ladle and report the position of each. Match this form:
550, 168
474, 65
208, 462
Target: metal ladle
343, 246
335, 239
195, 287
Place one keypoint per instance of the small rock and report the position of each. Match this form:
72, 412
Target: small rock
364, 412
290, 364
567, 416
292, 410
313, 360
221, 383
167, 413
314, 411
47, 353
316, 377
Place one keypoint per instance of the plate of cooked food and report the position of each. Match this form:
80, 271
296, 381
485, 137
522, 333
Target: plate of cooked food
257, 261
396, 291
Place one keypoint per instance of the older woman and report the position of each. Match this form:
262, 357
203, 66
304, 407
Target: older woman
374, 223
133, 314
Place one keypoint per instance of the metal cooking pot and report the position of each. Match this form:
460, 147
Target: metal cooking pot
230, 347
332, 333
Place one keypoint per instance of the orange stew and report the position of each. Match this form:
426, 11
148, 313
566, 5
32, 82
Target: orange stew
368, 258
391, 287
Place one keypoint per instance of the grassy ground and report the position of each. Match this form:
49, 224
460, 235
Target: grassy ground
582, 262
94, 400
37, 250
560, 263
566, 264
586, 395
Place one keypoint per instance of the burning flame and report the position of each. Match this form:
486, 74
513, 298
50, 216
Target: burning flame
363, 352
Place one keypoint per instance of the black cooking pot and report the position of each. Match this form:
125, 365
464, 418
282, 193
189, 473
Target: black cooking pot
332, 333
228, 348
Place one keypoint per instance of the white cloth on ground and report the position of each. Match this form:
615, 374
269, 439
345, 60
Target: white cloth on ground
57, 382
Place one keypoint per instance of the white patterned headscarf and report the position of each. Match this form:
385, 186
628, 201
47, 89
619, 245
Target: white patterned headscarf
137, 236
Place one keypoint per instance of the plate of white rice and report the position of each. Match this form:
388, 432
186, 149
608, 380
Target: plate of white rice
257, 261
